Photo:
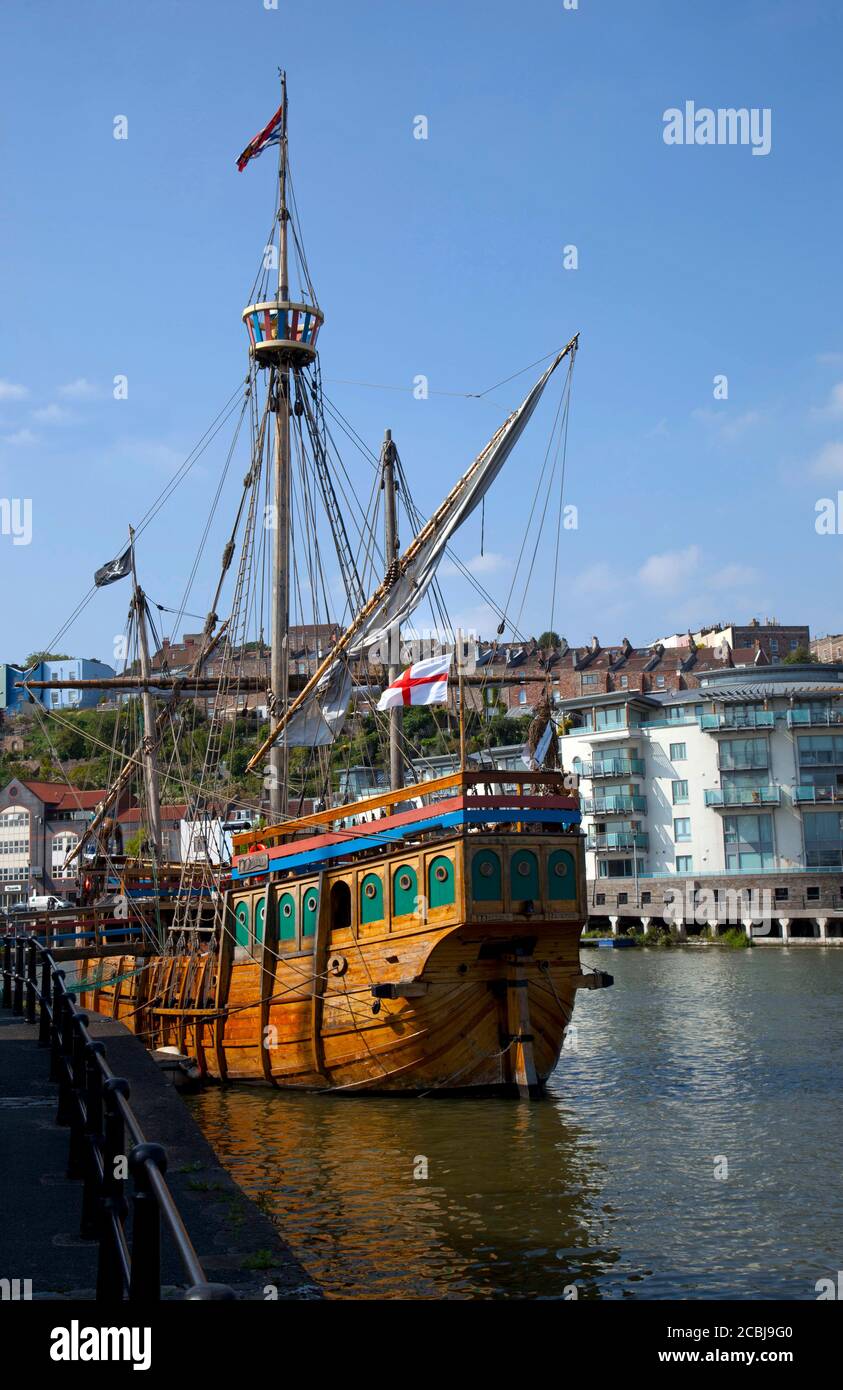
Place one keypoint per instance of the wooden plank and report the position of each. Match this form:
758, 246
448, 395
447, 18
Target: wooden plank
269, 960
320, 961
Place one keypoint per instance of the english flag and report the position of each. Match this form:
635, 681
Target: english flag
424, 683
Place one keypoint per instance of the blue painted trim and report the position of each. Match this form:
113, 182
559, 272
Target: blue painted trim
398, 833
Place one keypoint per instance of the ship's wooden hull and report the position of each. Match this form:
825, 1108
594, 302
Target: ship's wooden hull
462, 992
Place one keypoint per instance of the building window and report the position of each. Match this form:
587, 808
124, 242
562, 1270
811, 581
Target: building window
646, 897
623, 898
742, 754
600, 898
589, 680
682, 828
624, 682
522, 695
684, 864
781, 895
660, 682
813, 894
678, 752
680, 792
611, 718
823, 839
748, 843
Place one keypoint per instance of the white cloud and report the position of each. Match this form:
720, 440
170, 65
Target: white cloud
20, 437
596, 579
733, 577
52, 414
80, 389
833, 407
728, 426
829, 461
10, 391
488, 563
663, 571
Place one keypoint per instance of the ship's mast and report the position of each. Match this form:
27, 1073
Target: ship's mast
150, 730
279, 386
391, 552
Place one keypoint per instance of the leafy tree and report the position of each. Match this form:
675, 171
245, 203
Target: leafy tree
549, 639
35, 658
799, 655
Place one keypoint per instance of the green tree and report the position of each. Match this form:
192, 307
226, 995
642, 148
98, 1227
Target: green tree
799, 655
35, 658
549, 639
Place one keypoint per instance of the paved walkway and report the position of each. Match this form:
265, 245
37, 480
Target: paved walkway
40, 1207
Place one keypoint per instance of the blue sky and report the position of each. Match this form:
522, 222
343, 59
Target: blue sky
441, 257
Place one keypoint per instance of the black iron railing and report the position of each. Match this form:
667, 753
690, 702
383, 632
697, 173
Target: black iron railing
107, 1144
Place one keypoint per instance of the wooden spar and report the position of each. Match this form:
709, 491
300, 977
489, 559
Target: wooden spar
155, 681
390, 527
279, 387
149, 745
345, 639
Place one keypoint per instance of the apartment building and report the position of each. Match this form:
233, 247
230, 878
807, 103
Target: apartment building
13, 699
735, 786
39, 823
829, 648
776, 640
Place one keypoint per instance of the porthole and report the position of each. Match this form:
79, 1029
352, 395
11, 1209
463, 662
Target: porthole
405, 882
560, 869
287, 910
523, 868
486, 868
370, 890
310, 903
441, 873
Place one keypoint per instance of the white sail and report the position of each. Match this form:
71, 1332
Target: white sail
414, 573
417, 575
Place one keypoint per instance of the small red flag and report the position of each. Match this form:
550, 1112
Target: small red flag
270, 135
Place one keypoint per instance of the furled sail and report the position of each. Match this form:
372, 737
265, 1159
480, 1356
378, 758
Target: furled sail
320, 719
409, 579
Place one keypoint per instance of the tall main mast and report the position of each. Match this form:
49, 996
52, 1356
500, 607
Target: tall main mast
279, 386
390, 514
282, 334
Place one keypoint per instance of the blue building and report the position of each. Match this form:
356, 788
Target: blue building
12, 700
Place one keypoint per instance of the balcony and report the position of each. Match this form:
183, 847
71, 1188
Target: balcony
745, 764
814, 718
737, 720
818, 795
614, 767
620, 805
724, 797
614, 840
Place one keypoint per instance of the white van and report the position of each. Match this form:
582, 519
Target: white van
40, 903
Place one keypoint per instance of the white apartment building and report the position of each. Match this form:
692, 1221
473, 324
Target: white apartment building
735, 785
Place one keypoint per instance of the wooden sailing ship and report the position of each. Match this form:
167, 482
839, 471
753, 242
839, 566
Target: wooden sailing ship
424, 938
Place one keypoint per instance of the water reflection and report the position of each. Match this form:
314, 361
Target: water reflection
610, 1182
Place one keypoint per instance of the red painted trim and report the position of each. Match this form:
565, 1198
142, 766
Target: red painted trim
437, 808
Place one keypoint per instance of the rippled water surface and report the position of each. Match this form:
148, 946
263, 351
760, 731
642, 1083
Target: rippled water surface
692, 1059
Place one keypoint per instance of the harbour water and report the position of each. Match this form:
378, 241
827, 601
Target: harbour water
688, 1147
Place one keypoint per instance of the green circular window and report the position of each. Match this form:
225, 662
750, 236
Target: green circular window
524, 876
241, 924
440, 882
486, 877
286, 917
371, 899
405, 891
310, 908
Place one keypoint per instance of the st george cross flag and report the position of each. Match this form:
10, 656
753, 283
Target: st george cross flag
424, 683
270, 135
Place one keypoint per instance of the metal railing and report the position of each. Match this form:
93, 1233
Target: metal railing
743, 796
105, 1139
734, 722
619, 805
821, 718
810, 793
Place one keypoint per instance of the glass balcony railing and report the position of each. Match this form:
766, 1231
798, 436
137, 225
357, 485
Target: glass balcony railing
620, 805
817, 794
743, 796
614, 767
627, 840
748, 763
738, 719
818, 717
